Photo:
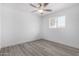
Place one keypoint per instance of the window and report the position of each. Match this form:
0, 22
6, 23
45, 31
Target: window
57, 22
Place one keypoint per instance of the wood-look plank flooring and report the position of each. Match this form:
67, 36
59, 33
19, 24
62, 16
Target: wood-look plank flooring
39, 48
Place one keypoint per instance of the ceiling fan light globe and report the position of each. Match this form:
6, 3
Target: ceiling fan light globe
40, 11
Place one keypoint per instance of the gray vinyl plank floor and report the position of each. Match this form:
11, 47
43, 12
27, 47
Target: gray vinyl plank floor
39, 48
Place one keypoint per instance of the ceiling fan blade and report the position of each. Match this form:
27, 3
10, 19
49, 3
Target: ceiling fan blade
45, 4
33, 5
49, 10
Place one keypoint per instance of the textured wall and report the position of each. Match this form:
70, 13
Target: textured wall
18, 26
69, 35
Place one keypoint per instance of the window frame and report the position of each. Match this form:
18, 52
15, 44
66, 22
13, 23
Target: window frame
57, 24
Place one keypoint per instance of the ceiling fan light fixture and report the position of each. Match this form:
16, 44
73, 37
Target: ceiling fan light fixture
40, 11
41, 8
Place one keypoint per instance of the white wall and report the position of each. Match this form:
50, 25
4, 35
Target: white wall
18, 26
0, 25
69, 35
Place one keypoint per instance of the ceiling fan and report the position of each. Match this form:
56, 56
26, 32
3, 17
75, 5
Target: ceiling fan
41, 8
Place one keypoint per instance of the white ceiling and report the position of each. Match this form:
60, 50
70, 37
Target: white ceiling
27, 8
60, 6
